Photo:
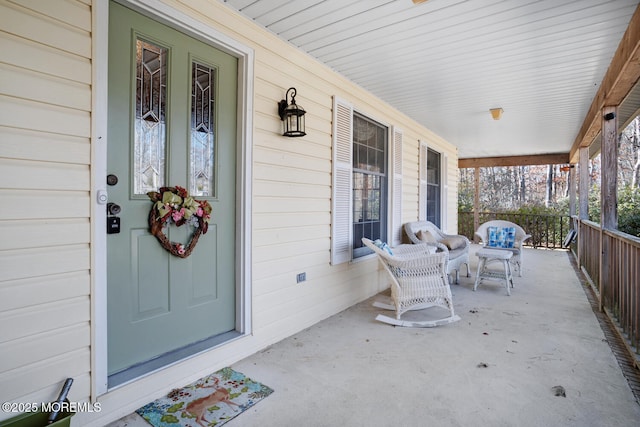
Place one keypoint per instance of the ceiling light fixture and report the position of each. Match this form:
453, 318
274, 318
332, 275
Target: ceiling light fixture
496, 113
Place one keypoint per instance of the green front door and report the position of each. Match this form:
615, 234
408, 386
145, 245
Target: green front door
172, 122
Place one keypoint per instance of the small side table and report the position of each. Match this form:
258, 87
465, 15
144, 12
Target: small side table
488, 256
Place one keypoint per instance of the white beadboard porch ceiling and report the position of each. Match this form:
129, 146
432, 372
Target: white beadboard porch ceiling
445, 63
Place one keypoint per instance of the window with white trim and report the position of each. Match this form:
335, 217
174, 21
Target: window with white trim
432, 185
367, 183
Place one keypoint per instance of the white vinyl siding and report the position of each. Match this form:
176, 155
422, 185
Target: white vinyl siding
45, 109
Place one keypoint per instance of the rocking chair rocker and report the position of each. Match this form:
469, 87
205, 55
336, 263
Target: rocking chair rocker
418, 281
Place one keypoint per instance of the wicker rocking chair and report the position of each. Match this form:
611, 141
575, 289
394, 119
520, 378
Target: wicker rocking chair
418, 281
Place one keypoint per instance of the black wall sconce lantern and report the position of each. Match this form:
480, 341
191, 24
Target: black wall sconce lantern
292, 115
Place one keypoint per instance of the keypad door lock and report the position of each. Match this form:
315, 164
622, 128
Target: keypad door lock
113, 225
113, 221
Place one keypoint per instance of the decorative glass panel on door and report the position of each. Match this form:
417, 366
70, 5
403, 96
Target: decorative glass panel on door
202, 153
150, 120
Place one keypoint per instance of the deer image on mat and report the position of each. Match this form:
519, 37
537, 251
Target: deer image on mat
198, 407
210, 401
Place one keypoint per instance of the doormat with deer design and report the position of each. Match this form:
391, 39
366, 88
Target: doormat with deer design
210, 401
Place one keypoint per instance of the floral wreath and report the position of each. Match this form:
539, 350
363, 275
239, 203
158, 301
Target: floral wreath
174, 205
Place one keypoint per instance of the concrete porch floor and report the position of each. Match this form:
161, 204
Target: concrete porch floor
495, 367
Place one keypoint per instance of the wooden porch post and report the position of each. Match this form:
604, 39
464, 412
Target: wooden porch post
609, 161
572, 191
573, 225
476, 201
608, 194
583, 196
583, 183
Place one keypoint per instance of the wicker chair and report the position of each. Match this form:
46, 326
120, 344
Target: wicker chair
418, 281
456, 247
520, 237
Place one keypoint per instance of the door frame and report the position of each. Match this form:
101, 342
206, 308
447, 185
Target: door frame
99, 140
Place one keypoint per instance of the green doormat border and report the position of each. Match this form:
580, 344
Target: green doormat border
210, 401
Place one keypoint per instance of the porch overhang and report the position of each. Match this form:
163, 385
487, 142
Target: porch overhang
620, 80
536, 159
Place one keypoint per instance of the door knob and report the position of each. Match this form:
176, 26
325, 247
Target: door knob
113, 208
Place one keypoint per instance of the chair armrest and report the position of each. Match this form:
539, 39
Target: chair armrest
442, 247
520, 242
414, 264
450, 235
410, 251
467, 243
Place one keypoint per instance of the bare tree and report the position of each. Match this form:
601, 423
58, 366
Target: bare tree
635, 142
523, 184
550, 186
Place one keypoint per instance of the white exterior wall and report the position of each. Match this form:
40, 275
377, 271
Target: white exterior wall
45, 122
45, 217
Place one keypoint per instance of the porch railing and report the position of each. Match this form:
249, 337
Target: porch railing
610, 259
615, 277
547, 231
588, 247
